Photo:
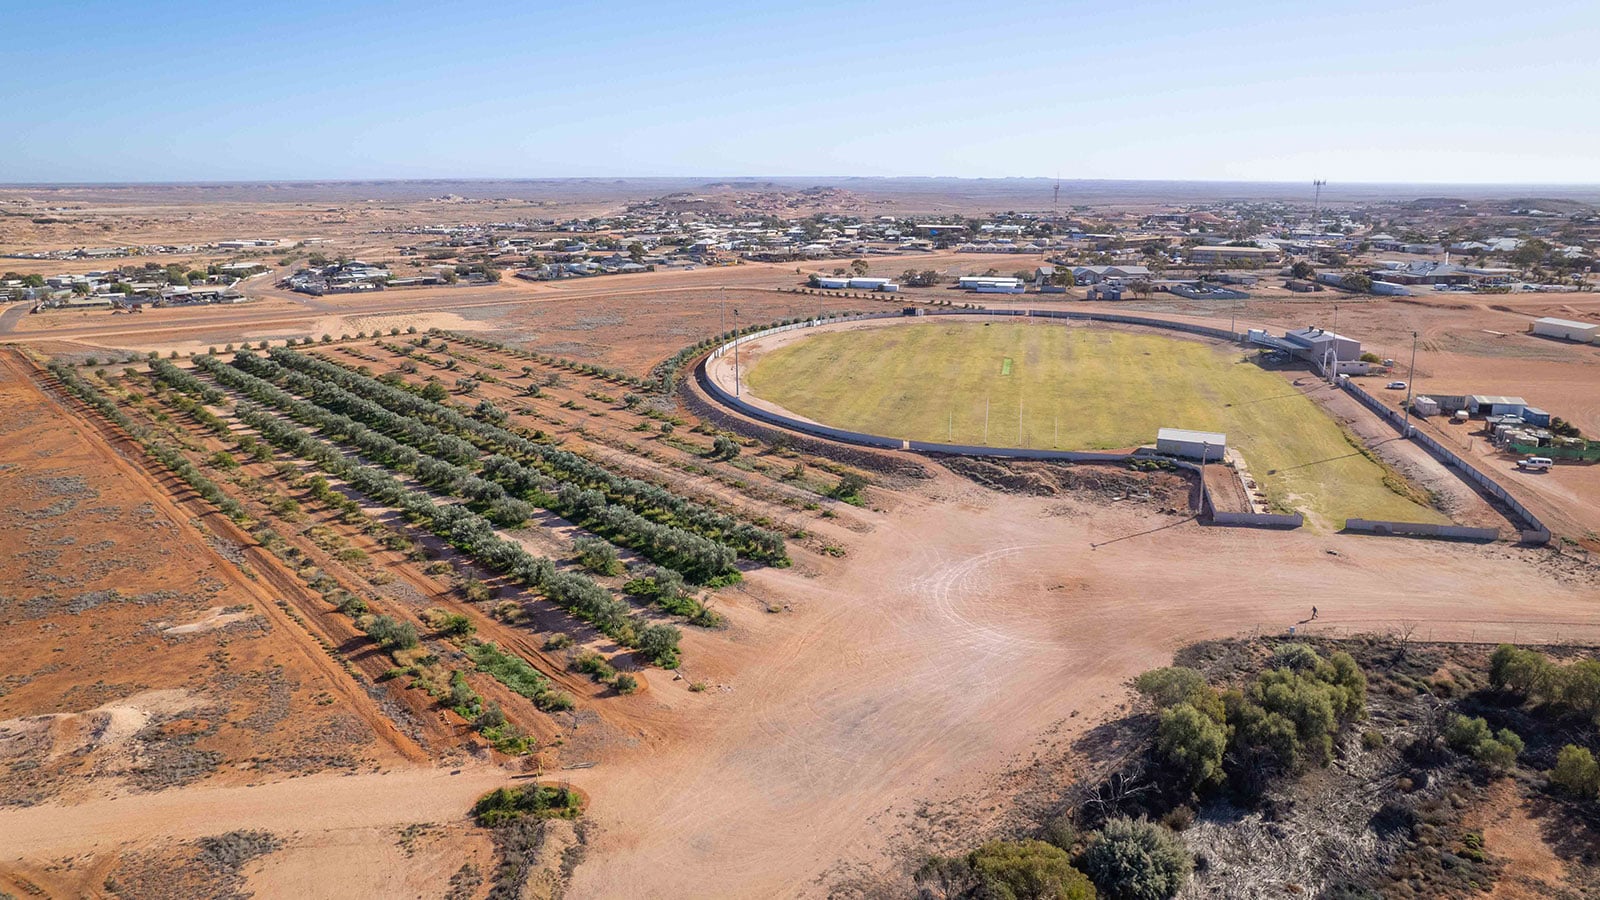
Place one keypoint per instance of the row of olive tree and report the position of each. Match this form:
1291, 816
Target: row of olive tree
559, 362
476, 537
503, 488
649, 500
168, 456
463, 528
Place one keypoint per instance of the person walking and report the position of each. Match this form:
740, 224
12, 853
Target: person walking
1313, 612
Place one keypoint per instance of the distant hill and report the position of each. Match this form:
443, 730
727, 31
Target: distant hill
905, 193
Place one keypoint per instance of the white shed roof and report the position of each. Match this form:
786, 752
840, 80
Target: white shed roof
1192, 437
1565, 323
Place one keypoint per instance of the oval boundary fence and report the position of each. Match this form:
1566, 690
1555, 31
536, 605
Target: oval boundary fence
865, 439
1536, 531
721, 395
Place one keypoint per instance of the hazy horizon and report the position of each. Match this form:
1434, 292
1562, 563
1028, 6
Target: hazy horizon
712, 179
906, 194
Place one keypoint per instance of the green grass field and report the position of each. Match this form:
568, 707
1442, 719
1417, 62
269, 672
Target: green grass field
1075, 388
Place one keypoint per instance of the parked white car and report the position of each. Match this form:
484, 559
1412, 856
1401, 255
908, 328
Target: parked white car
1536, 464
1396, 385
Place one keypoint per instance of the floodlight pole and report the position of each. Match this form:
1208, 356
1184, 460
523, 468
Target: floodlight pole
1205, 452
1411, 382
736, 351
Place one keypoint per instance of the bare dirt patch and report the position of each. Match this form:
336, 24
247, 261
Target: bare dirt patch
97, 566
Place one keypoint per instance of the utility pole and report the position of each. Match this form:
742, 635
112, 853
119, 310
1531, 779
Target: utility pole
1411, 382
1335, 344
1205, 452
736, 351
722, 310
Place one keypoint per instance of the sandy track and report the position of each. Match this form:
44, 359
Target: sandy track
316, 803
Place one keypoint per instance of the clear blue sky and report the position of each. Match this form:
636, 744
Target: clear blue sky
1468, 91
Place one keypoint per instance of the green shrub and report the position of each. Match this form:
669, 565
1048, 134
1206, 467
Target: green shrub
848, 489
1135, 860
454, 624
467, 702
556, 701
1179, 684
508, 804
1500, 755
1287, 717
724, 447
507, 668
659, 644
1525, 672
1576, 772
1497, 751
1028, 869
392, 634
1299, 657
1192, 743
593, 664
625, 683
598, 556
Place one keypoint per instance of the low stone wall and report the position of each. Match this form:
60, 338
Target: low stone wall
1015, 452
1421, 529
1258, 520
852, 454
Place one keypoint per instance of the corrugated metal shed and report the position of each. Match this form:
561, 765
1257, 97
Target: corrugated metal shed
1210, 445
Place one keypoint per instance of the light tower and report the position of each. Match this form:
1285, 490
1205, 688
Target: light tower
1316, 208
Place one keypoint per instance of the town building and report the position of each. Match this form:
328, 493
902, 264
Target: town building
1204, 255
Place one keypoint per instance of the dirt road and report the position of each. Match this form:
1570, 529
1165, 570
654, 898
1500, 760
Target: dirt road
316, 803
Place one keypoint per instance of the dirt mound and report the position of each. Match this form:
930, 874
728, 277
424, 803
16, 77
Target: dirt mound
1038, 478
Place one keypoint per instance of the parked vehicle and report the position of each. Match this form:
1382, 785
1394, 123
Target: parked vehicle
1396, 385
1460, 416
1535, 464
